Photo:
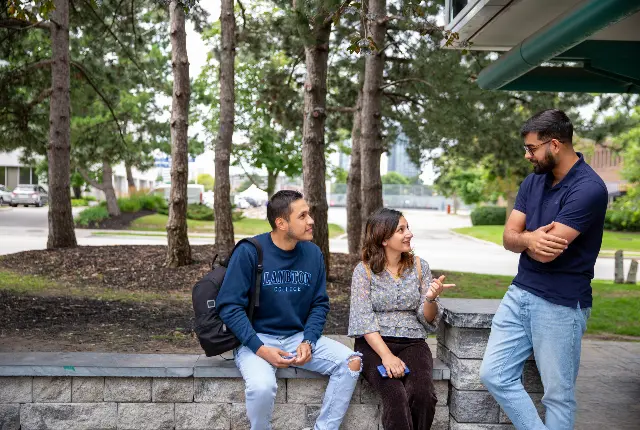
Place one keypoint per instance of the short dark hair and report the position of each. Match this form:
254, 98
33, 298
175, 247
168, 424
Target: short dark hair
549, 124
279, 205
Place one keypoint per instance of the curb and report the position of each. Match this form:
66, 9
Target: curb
465, 236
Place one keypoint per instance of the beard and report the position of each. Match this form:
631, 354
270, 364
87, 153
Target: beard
545, 166
291, 235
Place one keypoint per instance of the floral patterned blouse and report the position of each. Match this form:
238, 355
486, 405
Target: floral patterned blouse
380, 303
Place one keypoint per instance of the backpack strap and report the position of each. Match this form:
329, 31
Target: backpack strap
254, 300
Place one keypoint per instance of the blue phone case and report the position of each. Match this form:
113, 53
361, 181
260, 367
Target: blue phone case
383, 371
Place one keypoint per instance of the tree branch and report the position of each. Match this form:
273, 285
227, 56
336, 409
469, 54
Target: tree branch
400, 81
293, 68
44, 94
244, 18
392, 95
18, 24
249, 176
338, 12
104, 99
342, 109
398, 59
90, 181
27, 67
124, 48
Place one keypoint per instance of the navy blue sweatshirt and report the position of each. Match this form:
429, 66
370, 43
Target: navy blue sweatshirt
293, 296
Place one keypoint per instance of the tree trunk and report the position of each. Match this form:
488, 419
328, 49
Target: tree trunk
108, 190
272, 176
222, 187
61, 228
354, 183
130, 182
77, 192
371, 139
178, 249
313, 161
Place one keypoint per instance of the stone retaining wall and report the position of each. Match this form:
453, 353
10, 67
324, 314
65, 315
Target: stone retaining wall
31, 403
93, 391
462, 340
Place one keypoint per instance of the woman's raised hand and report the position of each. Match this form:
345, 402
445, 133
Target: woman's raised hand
437, 287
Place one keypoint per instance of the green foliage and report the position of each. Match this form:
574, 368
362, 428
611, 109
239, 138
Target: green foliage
199, 212
79, 203
468, 184
138, 202
489, 215
91, 217
340, 175
624, 214
207, 180
395, 178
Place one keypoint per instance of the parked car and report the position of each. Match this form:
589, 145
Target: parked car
194, 192
5, 195
25, 194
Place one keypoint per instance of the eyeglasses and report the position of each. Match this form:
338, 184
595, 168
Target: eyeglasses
532, 149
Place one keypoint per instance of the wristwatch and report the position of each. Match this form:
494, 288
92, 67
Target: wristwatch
428, 300
311, 344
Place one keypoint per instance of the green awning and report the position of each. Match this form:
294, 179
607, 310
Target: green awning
597, 66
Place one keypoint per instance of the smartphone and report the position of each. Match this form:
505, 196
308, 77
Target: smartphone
290, 356
383, 371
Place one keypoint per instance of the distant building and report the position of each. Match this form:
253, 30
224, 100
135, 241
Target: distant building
13, 172
399, 161
608, 164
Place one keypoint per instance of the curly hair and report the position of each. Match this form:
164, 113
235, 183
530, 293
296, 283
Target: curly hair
381, 225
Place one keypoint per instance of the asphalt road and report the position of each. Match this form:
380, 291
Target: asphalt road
24, 229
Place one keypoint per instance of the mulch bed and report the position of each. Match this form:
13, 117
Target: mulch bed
46, 323
120, 222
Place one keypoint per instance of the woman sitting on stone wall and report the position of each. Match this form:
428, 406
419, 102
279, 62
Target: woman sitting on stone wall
394, 305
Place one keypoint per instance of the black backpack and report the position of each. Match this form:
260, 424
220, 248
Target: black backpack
214, 336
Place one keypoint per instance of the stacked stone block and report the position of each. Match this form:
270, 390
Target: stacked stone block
462, 340
180, 403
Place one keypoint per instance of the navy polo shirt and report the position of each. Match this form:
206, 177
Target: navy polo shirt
578, 201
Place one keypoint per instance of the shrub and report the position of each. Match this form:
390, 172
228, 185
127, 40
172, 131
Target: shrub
79, 202
199, 212
92, 216
138, 202
489, 215
90, 198
624, 214
129, 205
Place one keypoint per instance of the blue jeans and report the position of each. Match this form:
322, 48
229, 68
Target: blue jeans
524, 323
329, 358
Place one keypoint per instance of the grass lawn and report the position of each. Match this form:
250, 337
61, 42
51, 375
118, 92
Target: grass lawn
246, 226
611, 241
616, 307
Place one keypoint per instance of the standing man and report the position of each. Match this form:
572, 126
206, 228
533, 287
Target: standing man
287, 326
556, 225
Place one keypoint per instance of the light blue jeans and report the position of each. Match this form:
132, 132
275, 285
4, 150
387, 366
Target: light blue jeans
329, 357
524, 323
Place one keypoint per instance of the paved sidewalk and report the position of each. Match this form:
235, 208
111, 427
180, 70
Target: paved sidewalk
608, 389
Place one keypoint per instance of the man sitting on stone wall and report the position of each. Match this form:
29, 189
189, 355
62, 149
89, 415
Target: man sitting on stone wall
287, 326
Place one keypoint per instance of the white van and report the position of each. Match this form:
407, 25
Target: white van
194, 192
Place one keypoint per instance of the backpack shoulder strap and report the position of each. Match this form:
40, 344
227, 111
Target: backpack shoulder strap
254, 300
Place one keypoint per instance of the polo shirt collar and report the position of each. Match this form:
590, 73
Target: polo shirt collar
570, 174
